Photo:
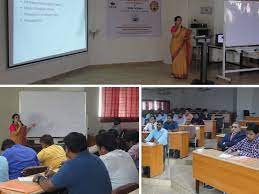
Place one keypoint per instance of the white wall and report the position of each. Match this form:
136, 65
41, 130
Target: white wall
194, 98
101, 49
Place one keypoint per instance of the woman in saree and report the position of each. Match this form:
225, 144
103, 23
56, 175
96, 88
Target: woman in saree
180, 47
18, 131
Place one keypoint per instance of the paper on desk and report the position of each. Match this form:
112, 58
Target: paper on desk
150, 143
225, 156
25, 179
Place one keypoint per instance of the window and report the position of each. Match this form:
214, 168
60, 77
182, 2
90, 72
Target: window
156, 105
120, 103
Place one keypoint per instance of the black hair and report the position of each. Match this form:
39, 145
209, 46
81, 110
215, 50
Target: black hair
101, 131
47, 139
253, 127
153, 117
161, 122
14, 115
107, 140
132, 136
8, 143
177, 17
117, 120
114, 132
75, 142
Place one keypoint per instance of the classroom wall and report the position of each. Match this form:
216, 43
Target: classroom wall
101, 50
9, 103
194, 98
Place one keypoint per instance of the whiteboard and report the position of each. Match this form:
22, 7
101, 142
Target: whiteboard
54, 113
241, 23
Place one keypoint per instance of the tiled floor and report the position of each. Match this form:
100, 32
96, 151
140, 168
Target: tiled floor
149, 73
177, 178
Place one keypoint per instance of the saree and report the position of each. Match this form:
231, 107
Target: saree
18, 137
180, 47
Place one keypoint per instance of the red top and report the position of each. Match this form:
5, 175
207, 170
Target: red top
12, 128
173, 29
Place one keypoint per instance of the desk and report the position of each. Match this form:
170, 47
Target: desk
244, 123
210, 127
17, 187
199, 133
227, 117
252, 118
219, 138
179, 141
152, 157
229, 175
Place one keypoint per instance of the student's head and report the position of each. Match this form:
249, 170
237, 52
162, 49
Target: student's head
152, 119
8, 143
235, 127
117, 121
187, 112
114, 132
74, 144
16, 118
204, 111
178, 20
46, 141
180, 115
169, 118
101, 131
106, 142
252, 132
162, 112
196, 116
131, 138
159, 125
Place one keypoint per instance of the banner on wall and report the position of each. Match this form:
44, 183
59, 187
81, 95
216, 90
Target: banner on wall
133, 18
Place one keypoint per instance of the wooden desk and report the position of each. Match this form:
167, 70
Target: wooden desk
252, 118
152, 157
210, 127
17, 187
244, 123
199, 133
179, 141
229, 175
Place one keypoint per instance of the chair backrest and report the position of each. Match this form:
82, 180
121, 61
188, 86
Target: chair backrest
125, 189
33, 170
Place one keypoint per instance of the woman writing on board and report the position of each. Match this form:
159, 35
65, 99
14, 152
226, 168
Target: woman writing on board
18, 131
180, 48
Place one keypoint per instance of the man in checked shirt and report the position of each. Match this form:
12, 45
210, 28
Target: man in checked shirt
249, 146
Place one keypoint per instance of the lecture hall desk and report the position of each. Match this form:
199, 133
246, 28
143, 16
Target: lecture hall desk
177, 141
244, 123
210, 127
200, 135
230, 175
152, 157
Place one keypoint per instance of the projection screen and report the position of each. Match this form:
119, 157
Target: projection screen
45, 29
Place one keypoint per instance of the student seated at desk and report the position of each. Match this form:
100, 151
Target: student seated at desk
4, 175
188, 115
181, 120
249, 146
196, 120
117, 125
205, 115
51, 155
170, 124
161, 116
19, 157
160, 136
151, 124
83, 173
232, 138
120, 165
132, 143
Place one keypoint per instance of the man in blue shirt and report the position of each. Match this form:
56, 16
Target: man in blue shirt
159, 135
19, 157
83, 173
4, 175
170, 124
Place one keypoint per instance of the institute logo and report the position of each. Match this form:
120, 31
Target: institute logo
112, 4
154, 6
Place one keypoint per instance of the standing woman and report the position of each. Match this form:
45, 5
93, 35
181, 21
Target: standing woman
181, 45
18, 131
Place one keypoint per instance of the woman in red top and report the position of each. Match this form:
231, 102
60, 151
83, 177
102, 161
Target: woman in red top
18, 131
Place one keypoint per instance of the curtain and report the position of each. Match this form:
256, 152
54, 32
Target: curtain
120, 103
156, 105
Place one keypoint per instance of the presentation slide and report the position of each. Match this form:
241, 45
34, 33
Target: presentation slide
241, 23
43, 29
